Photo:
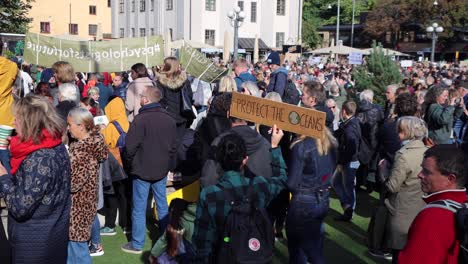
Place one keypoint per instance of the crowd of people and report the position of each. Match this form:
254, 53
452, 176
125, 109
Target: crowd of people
65, 165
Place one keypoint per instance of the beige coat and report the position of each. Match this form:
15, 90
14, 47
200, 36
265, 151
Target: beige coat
404, 200
134, 91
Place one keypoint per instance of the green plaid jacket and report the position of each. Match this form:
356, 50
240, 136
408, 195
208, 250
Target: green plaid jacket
213, 208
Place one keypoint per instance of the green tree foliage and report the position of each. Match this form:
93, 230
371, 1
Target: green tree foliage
393, 15
377, 73
13, 16
317, 13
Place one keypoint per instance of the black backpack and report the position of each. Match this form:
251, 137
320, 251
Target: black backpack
461, 224
248, 235
291, 94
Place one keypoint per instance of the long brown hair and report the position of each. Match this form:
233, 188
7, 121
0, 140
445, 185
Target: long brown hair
174, 230
171, 67
34, 114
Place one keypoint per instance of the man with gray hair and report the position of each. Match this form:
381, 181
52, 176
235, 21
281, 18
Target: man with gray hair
337, 94
390, 94
68, 96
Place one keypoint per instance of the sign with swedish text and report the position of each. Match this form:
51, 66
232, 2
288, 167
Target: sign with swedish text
300, 120
94, 56
199, 66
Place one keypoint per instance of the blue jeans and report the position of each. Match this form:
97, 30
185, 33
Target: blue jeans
343, 183
5, 159
140, 198
78, 253
305, 229
96, 231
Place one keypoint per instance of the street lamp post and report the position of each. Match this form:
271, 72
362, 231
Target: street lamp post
352, 24
338, 22
236, 18
434, 29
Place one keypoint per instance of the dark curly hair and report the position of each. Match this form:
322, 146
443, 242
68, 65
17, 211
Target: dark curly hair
406, 105
231, 152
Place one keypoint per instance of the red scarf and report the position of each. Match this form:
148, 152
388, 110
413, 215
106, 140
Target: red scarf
20, 150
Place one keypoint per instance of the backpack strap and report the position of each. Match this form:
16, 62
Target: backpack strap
446, 204
118, 127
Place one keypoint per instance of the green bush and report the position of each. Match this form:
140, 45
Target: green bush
376, 74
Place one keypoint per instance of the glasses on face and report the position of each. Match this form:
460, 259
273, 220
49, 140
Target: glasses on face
333, 107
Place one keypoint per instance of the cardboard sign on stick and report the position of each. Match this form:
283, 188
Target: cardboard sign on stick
287, 117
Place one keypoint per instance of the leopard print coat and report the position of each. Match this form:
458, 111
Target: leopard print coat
85, 156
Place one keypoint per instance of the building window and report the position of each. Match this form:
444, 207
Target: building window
241, 5
92, 10
133, 33
169, 4
210, 37
122, 32
109, 3
279, 39
170, 33
281, 7
45, 27
152, 31
253, 12
142, 5
73, 29
142, 32
133, 5
152, 5
210, 5
92, 29
121, 6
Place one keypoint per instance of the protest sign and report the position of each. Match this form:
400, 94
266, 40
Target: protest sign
94, 56
199, 66
288, 117
355, 58
406, 63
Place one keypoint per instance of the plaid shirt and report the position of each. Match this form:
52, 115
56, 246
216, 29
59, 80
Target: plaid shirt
213, 208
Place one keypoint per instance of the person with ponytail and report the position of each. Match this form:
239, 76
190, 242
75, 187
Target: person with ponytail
175, 245
311, 166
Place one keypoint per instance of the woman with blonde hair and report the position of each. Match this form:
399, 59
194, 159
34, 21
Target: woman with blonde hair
177, 93
85, 154
312, 163
227, 85
403, 187
37, 190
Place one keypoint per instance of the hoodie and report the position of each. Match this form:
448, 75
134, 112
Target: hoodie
115, 111
8, 72
257, 147
171, 94
244, 77
278, 81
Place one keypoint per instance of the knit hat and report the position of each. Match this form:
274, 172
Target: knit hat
274, 58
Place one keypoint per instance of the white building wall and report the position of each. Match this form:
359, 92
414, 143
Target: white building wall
189, 20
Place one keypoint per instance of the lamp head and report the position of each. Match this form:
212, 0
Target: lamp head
231, 14
434, 25
439, 29
329, 6
435, 3
430, 29
237, 9
241, 15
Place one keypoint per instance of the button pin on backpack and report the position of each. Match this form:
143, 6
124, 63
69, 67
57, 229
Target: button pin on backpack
254, 244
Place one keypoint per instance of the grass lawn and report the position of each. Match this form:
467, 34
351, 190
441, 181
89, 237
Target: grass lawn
344, 243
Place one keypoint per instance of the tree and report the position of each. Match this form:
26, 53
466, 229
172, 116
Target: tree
377, 73
393, 15
13, 16
317, 13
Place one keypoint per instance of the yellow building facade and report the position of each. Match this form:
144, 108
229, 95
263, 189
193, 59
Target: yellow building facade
85, 19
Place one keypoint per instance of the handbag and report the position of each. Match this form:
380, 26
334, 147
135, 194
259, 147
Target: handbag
186, 110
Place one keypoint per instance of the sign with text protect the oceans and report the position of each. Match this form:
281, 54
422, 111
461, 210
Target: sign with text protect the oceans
288, 117
94, 56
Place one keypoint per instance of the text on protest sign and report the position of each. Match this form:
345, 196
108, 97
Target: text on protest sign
355, 58
288, 117
94, 56
199, 66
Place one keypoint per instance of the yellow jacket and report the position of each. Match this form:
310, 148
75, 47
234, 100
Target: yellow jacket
8, 72
115, 111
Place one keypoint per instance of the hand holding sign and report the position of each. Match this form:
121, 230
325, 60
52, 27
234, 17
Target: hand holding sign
276, 136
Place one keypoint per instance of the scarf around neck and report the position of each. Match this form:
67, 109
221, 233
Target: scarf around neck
20, 150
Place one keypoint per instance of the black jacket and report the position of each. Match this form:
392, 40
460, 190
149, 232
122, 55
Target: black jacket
348, 135
258, 151
150, 144
64, 107
172, 95
369, 116
389, 142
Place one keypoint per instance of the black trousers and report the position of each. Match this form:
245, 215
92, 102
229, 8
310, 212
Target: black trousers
120, 200
5, 247
277, 209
